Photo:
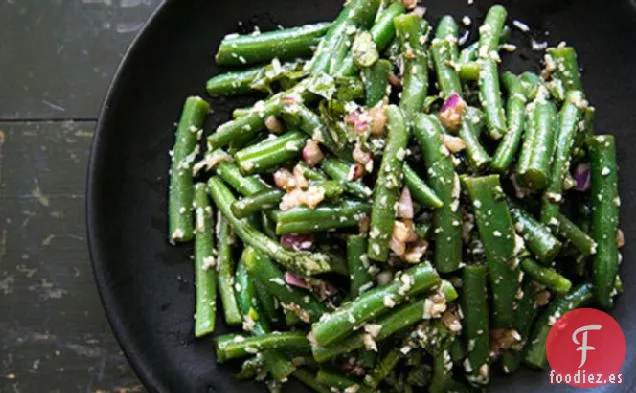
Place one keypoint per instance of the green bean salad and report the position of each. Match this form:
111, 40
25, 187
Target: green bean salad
397, 212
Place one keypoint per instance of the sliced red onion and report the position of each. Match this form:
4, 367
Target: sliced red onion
451, 102
359, 120
274, 124
378, 116
312, 154
282, 176
360, 156
299, 178
453, 143
397, 246
355, 172
297, 242
582, 177
452, 111
295, 281
405, 205
416, 251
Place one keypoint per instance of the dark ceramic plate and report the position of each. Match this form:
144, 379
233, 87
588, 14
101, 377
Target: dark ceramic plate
146, 285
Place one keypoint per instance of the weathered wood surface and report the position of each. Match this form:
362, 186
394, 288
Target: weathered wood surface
57, 58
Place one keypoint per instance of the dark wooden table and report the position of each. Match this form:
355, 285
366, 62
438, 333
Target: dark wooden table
57, 58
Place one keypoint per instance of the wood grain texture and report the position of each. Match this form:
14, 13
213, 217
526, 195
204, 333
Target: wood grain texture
53, 333
57, 57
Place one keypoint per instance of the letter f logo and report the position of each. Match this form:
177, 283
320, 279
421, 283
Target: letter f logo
584, 347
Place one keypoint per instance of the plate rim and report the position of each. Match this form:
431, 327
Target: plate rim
117, 325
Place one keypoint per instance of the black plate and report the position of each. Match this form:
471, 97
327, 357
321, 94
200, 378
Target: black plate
146, 285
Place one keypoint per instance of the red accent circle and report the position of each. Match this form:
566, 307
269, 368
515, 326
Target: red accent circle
597, 355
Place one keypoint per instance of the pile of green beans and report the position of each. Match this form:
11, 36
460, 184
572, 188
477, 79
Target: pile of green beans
397, 212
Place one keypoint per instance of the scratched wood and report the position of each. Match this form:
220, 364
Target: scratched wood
57, 56
53, 333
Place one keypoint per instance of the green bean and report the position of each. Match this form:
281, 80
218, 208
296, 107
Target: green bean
269, 304
539, 145
420, 191
566, 65
448, 30
530, 83
251, 367
225, 261
525, 313
184, 154
270, 153
441, 377
468, 71
509, 146
469, 54
475, 308
357, 13
388, 362
309, 380
340, 382
537, 236
546, 276
311, 174
447, 77
490, 97
339, 170
302, 262
534, 354
445, 182
302, 302
262, 200
448, 290
233, 82
587, 130
569, 118
343, 54
231, 346
383, 31
363, 50
322, 218
358, 263
388, 185
605, 203
334, 326
251, 308
458, 351
205, 265
491, 31
399, 319
300, 116
478, 157
245, 185
244, 128
581, 240
240, 112
290, 43
409, 29
376, 81
497, 234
